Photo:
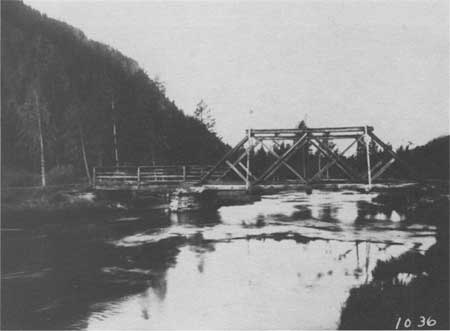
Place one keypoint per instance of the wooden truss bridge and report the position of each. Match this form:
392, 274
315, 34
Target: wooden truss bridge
235, 168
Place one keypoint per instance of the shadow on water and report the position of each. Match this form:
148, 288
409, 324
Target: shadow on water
269, 265
54, 274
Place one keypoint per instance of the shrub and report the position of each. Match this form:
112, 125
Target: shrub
63, 174
19, 177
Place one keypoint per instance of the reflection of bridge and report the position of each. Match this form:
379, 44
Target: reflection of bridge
237, 163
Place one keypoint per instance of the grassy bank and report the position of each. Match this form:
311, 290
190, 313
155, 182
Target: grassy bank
35, 204
413, 286
52, 198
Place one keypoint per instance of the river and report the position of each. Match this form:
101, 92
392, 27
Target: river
287, 261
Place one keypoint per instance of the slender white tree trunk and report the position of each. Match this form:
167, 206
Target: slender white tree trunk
83, 151
116, 148
41, 140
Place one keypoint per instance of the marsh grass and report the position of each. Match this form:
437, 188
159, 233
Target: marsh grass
49, 199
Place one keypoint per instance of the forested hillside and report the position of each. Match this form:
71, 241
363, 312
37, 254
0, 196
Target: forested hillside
72, 89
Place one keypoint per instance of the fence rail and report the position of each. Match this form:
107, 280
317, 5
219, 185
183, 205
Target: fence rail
148, 175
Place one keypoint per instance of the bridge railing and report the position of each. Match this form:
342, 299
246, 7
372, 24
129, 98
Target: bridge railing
135, 177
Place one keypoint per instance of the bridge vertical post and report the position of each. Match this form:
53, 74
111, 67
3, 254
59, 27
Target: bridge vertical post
94, 177
247, 180
184, 173
369, 172
304, 155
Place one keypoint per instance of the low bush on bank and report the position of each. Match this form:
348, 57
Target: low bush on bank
50, 198
19, 177
59, 175
378, 307
62, 174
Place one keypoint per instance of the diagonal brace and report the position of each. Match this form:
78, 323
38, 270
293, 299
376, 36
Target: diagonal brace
383, 168
287, 165
246, 170
394, 155
333, 161
269, 171
329, 153
238, 161
231, 165
223, 159
376, 167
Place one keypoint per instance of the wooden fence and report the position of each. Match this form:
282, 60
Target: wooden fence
144, 176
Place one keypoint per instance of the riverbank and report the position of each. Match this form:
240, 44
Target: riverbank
75, 200
411, 291
36, 205
51, 199
79, 199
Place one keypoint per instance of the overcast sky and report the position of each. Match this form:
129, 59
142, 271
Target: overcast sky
382, 63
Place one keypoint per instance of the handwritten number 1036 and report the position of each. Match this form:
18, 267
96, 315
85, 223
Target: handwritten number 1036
423, 322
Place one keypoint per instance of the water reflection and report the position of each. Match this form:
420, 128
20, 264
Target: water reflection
196, 218
287, 261
253, 284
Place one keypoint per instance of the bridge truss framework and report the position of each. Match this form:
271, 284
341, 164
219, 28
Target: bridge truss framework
238, 159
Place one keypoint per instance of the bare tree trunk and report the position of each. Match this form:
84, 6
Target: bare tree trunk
41, 140
116, 148
153, 157
152, 152
83, 151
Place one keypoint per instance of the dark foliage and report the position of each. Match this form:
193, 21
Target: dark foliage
76, 81
379, 304
430, 160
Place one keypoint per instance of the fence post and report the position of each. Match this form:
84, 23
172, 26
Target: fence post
94, 177
184, 173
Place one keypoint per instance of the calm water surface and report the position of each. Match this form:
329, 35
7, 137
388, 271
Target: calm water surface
287, 261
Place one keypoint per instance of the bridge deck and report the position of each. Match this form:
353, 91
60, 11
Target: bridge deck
169, 178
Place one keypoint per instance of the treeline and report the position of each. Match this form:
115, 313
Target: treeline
61, 94
430, 160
